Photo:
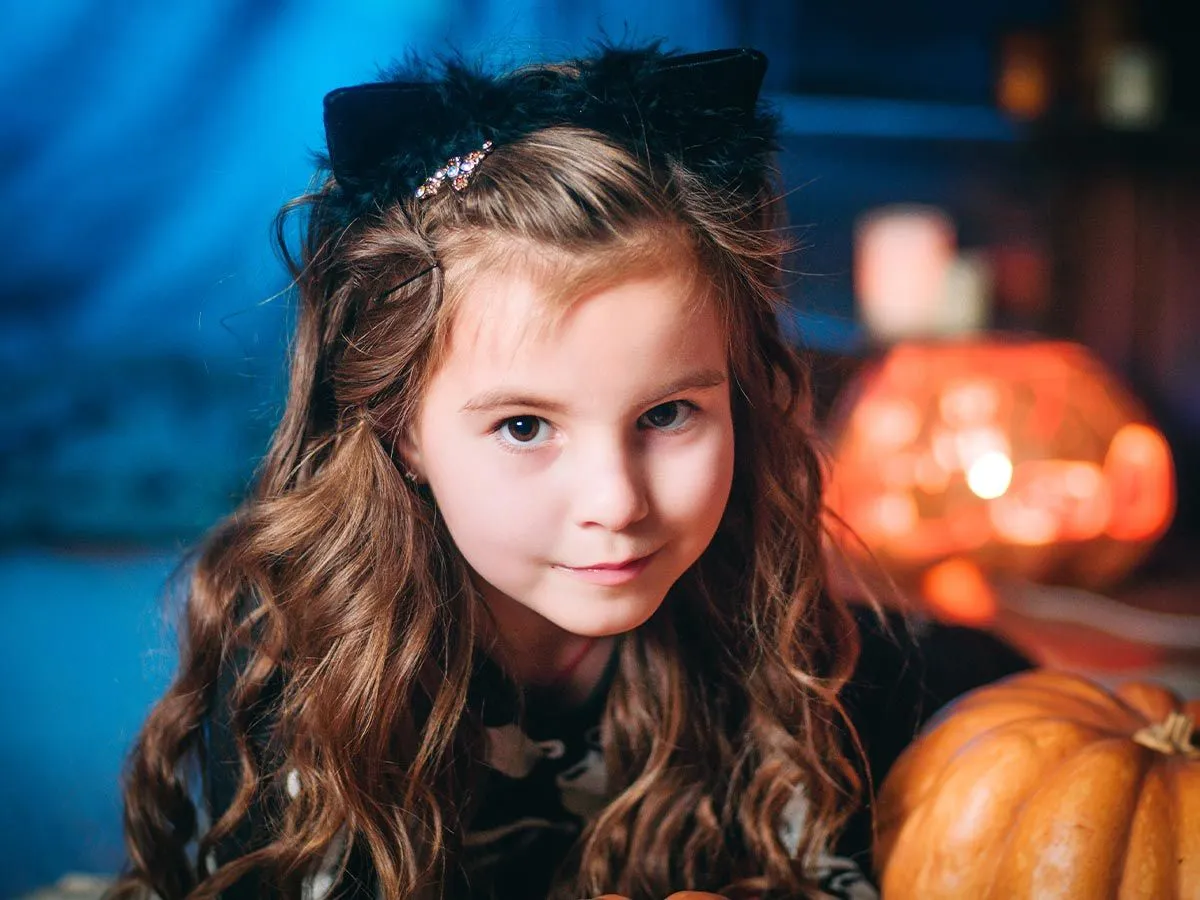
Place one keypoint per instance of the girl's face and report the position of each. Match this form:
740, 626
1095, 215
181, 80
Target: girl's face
581, 465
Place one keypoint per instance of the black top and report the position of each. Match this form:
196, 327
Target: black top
545, 777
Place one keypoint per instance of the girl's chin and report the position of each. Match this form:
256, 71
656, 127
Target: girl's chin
619, 618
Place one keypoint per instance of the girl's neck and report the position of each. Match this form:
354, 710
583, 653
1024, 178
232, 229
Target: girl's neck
540, 656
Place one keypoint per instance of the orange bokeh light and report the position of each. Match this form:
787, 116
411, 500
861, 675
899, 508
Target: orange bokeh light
1138, 466
1025, 458
959, 592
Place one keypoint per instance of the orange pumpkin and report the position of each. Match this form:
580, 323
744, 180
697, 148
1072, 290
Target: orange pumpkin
1047, 786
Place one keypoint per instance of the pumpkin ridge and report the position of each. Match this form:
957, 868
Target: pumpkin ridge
1085, 712
1095, 699
1034, 705
988, 734
1056, 682
1011, 831
947, 765
1042, 685
998, 729
1048, 783
1178, 767
1101, 732
1179, 772
920, 811
1145, 762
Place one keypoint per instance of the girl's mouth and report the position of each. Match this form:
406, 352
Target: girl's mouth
610, 573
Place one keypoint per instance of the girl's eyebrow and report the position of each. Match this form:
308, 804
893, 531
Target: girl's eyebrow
503, 398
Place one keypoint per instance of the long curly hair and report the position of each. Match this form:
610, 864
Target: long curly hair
724, 704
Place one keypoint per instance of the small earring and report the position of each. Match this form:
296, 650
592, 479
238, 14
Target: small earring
411, 475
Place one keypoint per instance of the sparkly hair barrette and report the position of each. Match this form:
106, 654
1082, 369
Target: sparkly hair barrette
458, 170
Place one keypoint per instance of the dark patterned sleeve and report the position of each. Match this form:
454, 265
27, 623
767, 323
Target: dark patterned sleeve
222, 775
903, 678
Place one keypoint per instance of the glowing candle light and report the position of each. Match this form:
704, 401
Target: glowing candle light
990, 475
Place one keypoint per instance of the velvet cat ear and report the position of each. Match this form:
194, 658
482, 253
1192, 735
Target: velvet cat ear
386, 137
366, 124
728, 78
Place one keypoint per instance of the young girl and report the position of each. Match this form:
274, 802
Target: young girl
528, 598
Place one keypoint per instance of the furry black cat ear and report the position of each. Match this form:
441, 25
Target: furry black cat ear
407, 134
725, 78
365, 124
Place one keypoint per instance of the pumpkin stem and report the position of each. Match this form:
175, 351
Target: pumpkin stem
1170, 737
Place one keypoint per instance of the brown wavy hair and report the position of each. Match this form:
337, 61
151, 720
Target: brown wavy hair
724, 703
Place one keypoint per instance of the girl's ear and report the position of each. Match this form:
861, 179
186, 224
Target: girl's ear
409, 455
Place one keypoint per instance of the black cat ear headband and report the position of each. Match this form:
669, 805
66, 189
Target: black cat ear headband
418, 130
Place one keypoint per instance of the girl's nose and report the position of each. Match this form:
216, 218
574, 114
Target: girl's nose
611, 490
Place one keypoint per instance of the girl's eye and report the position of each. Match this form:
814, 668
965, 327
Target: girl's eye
523, 430
670, 416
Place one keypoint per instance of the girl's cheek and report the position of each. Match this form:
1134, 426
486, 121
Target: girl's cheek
696, 484
492, 497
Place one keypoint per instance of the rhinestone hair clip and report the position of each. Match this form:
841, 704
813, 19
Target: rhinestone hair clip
458, 170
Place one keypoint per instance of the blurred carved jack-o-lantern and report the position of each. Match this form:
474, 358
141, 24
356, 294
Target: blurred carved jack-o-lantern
1022, 458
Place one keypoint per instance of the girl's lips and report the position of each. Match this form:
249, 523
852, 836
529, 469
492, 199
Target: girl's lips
611, 575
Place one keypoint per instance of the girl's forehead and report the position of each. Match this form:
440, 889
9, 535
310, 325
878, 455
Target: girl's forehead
564, 272
506, 316
519, 302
